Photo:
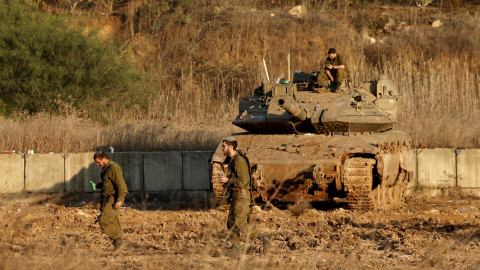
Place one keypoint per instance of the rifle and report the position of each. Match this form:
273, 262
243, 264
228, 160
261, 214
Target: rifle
227, 197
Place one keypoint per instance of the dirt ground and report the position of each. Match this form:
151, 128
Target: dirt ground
433, 234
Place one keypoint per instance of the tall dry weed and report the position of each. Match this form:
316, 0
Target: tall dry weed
46, 133
203, 66
442, 102
436, 69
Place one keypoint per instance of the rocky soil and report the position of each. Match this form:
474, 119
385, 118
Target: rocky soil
435, 234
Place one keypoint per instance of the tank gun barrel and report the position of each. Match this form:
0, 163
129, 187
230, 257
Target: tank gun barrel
296, 110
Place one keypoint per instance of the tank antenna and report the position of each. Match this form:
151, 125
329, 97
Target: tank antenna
266, 71
288, 67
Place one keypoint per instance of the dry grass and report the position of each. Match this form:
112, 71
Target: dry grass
442, 102
205, 61
45, 133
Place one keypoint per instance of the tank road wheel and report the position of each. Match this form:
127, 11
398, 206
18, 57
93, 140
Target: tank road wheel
357, 179
218, 189
259, 188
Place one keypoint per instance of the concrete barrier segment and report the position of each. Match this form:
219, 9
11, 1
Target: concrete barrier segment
12, 178
196, 170
132, 168
162, 171
45, 173
436, 168
80, 169
468, 168
430, 192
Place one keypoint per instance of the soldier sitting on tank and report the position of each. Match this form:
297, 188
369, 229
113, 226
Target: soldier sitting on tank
336, 69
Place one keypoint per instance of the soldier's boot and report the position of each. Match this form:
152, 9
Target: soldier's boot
119, 245
266, 241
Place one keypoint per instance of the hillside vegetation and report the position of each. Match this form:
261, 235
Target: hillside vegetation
166, 75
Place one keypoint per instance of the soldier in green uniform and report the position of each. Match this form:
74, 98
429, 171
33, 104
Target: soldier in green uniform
238, 180
336, 69
113, 193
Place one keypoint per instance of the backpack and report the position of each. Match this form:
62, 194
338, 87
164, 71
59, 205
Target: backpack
249, 174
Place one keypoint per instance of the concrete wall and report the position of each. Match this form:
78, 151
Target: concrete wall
436, 168
468, 171
439, 172
163, 171
132, 168
196, 168
45, 173
80, 169
12, 179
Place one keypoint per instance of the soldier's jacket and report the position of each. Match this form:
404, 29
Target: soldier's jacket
239, 173
339, 60
113, 182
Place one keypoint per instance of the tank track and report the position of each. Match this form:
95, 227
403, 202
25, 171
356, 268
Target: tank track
357, 180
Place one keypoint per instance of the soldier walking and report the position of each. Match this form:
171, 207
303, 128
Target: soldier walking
238, 180
113, 193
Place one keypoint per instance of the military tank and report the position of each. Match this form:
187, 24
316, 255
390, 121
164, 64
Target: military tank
310, 142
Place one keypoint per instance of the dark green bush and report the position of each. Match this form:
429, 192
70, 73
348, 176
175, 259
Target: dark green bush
43, 59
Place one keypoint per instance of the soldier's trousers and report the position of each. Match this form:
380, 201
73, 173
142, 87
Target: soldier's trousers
338, 74
109, 222
239, 217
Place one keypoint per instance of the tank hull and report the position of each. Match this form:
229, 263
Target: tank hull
293, 167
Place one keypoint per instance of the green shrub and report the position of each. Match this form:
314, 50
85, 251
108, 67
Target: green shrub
43, 59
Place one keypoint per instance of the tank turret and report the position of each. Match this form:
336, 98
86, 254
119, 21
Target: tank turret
372, 107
